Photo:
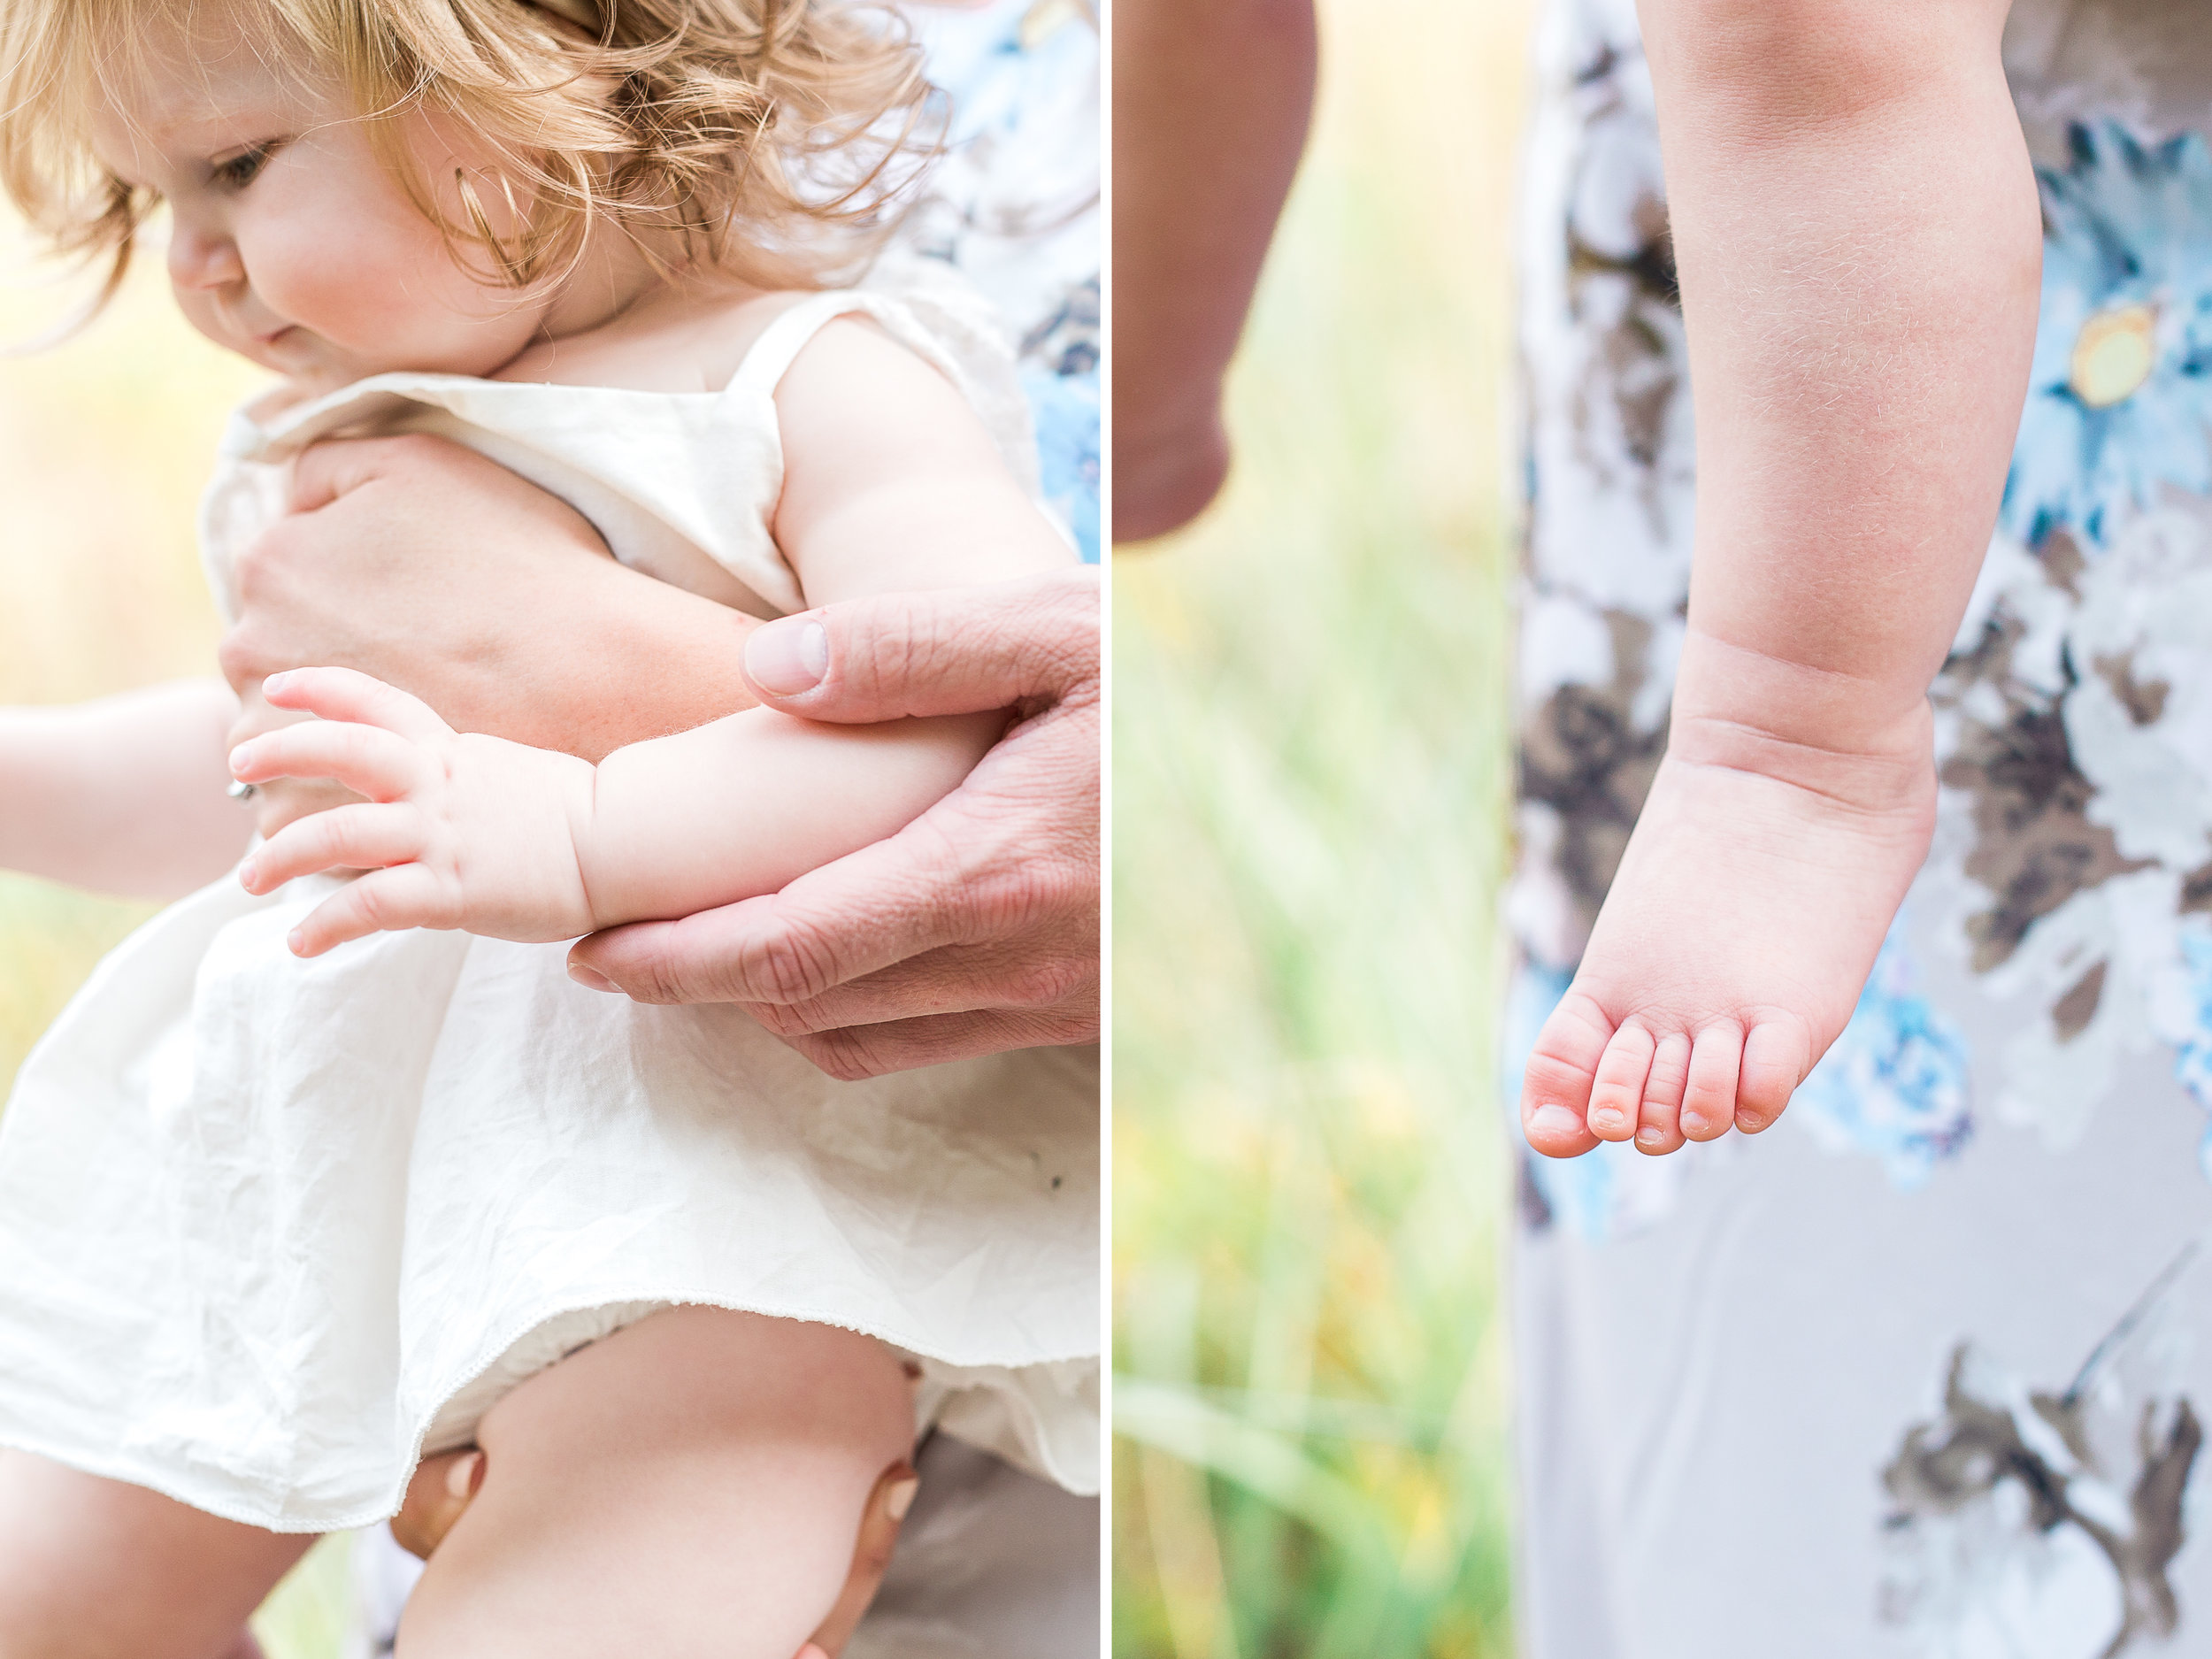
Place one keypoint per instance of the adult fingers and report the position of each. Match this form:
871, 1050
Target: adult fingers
855, 1052
378, 764
345, 694
345, 837
954, 651
1025, 975
442, 1488
880, 1524
880, 905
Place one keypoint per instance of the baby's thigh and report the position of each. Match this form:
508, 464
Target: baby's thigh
693, 1485
93, 1568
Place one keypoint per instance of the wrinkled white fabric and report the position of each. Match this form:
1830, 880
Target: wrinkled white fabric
269, 1226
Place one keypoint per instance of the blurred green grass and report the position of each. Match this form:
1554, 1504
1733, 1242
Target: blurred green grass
105, 441
1311, 768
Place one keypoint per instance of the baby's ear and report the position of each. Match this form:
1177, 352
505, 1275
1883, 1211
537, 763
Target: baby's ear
442, 1489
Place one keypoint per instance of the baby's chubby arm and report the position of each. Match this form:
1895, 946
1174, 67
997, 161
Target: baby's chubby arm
512, 842
891, 484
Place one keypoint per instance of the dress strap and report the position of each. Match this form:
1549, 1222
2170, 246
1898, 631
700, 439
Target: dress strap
772, 354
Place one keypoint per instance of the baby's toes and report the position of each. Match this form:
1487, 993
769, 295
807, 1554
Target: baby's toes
1709, 1095
1774, 1064
1616, 1096
1659, 1127
1561, 1067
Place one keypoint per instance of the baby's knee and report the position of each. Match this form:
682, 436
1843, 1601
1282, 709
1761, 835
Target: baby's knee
693, 1484
695, 1376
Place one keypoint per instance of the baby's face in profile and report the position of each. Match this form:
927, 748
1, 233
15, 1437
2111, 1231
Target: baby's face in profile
292, 242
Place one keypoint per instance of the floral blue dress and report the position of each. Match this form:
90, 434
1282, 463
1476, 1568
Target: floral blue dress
1920, 1372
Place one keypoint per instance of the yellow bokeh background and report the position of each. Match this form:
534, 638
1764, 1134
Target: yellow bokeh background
1311, 772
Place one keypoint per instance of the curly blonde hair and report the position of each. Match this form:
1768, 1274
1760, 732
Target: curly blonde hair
791, 123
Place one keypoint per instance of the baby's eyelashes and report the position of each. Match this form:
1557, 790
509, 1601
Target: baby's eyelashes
242, 167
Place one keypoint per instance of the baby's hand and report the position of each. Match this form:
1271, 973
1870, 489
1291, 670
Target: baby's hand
459, 831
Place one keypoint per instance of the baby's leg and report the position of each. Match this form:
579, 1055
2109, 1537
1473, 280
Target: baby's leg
93, 1568
691, 1485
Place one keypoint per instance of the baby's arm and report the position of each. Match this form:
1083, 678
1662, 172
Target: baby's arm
891, 484
124, 794
1856, 227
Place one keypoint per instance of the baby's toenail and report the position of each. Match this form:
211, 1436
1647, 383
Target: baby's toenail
1650, 1139
1553, 1123
1609, 1117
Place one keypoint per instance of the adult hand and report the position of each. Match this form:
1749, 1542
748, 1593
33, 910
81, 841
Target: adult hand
880, 1524
437, 571
974, 929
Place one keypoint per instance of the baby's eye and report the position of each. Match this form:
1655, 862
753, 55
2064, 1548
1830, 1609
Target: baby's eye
237, 172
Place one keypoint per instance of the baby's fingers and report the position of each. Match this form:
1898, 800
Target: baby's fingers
344, 838
341, 694
366, 760
384, 901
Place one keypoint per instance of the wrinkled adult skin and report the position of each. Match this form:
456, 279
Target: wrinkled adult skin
976, 928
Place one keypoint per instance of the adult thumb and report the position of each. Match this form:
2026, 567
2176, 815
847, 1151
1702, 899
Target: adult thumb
961, 651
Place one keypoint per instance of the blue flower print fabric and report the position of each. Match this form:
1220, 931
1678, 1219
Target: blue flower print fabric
2120, 398
1015, 204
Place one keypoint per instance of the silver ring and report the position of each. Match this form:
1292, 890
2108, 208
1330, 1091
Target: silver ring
241, 792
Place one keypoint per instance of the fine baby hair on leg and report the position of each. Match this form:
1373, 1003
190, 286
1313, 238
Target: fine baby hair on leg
94, 1569
691, 1485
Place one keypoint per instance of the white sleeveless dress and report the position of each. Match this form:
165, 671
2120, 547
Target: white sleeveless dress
271, 1229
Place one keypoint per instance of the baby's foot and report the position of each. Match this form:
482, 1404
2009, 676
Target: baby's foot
1731, 949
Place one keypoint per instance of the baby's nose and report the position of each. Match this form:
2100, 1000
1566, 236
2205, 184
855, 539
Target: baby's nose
199, 259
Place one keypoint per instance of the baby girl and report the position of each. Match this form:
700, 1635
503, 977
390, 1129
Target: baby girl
285, 1208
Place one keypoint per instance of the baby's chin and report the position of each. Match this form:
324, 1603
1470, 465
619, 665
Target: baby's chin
313, 365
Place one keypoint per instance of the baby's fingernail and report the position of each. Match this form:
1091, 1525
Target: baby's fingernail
900, 1498
275, 682
297, 939
465, 1476
248, 875
241, 758
1553, 1123
788, 656
590, 979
